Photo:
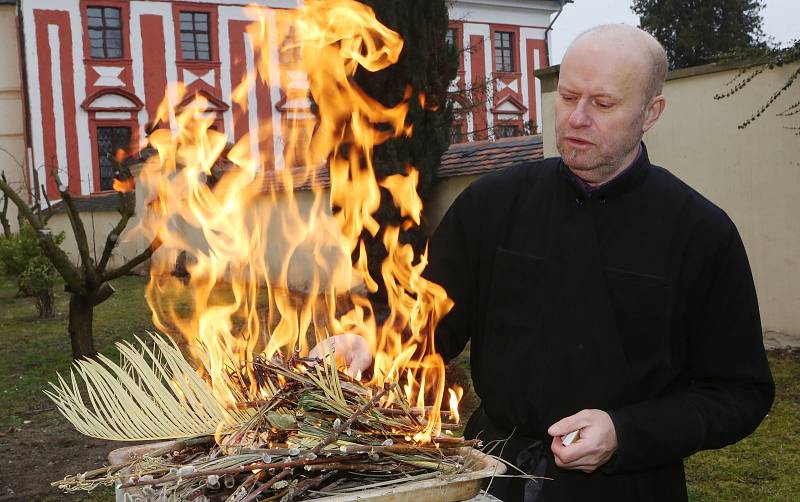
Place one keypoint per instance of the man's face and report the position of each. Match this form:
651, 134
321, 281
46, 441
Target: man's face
599, 109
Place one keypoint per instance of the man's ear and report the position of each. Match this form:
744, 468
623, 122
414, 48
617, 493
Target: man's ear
653, 111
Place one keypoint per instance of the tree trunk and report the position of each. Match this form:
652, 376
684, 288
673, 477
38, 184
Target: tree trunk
45, 303
81, 314
6, 225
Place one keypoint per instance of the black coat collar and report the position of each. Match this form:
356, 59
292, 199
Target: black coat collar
626, 181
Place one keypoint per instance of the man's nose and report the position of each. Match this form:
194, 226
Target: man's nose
579, 116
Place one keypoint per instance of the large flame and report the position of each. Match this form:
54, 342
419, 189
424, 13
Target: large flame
264, 268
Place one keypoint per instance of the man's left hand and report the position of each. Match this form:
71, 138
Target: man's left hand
597, 440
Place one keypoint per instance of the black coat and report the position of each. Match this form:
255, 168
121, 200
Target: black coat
636, 298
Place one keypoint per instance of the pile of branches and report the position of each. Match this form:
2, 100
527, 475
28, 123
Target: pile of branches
320, 433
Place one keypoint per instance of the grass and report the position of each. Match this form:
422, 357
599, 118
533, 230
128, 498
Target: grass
762, 467
32, 433
32, 350
765, 465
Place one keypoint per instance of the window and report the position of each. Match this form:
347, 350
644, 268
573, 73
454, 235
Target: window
450, 38
109, 140
105, 32
503, 51
195, 36
506, 131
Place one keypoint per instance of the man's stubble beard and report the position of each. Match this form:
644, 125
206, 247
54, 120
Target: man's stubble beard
601, 169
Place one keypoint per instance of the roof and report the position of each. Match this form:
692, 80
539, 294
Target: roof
464, 159
486, 156
301, 178
95, 202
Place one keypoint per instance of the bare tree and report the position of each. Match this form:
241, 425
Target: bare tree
88, 282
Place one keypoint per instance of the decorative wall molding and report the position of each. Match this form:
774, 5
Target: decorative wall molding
189, 77
509, 104
108, 76
513, 85
213, 103
112, 100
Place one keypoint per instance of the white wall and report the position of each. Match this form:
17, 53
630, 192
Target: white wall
11, 125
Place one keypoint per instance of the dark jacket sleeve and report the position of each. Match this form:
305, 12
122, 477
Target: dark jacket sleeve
730, 385
452, 264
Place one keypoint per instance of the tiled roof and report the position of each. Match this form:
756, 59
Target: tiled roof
96, 202
459, 160
486, 156
301, 178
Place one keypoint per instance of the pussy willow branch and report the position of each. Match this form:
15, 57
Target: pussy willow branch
330, 438
400, 449
266, 486
308, 484
238, 470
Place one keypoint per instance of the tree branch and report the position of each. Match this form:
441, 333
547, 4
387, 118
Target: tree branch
80, 231
4, 212
126, 212
132, 263
68, 271
45, 216
102, 294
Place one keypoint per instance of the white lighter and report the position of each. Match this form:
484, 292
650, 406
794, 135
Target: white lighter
570, 438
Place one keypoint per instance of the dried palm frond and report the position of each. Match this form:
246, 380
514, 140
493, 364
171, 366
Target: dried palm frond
153, 394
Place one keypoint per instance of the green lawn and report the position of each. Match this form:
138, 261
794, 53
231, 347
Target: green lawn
33, 350
763, 467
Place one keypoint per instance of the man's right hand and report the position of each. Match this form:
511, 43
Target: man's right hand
597, 443
351, 351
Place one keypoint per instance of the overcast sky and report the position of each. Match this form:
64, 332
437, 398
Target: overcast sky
781, 20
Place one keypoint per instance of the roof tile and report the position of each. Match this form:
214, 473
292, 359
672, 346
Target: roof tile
484, 156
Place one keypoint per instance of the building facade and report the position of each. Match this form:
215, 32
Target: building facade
96, 71
501, 43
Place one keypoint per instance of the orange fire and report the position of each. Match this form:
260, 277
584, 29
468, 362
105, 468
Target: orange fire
124, 186
267, 268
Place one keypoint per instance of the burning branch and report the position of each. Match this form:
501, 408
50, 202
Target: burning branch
152, 381
337, 431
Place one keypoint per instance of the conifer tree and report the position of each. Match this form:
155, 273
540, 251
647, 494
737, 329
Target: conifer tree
428, 64
696, 32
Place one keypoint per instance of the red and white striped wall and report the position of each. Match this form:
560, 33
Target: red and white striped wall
511, 98
71, 94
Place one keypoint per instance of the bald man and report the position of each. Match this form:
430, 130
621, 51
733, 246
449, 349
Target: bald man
601, 295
